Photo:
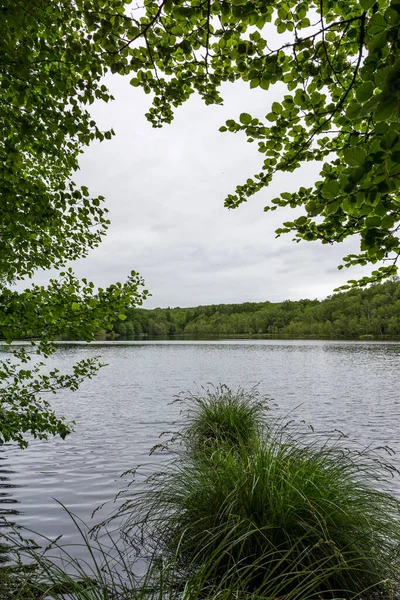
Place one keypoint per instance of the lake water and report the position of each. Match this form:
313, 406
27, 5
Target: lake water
351, 386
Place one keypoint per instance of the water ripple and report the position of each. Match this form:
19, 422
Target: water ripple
351, 386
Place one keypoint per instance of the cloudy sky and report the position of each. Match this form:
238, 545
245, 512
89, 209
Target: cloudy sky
165, 190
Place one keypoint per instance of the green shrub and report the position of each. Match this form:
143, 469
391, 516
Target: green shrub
219, 415
281, 512
257, 511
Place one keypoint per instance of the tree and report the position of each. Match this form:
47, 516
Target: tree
341, 68
50, 70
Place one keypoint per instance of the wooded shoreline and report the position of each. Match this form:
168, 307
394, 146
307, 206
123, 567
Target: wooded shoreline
370, 313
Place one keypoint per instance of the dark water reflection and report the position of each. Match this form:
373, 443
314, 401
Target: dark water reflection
8, 504
8, 501
351, 386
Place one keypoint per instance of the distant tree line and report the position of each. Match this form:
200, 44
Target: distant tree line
374, 311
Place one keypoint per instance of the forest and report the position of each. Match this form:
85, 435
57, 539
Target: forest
373, 311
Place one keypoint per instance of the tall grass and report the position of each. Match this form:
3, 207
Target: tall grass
265, 505
51, 570
55, 574
218, 415
248, 507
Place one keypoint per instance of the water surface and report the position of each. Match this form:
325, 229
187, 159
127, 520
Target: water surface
351, 386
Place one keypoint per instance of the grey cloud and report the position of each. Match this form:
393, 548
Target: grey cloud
165, 191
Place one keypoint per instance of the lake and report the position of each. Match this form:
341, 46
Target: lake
350, 386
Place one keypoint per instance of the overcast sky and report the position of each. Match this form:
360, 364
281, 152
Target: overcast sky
165, 190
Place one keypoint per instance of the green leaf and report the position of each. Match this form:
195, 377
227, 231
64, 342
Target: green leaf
385, 108
378, 41
387, 222
373, 221
367, 4
353, 111
368, 106
276, 108
330, 190
392, 16
245, 118
377, 24
365, 91
355, 156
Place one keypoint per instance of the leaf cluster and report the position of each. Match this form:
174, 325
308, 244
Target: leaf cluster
49, 72
51, 68
340, 65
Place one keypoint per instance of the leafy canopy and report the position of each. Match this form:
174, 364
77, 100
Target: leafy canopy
340, 63
50, 70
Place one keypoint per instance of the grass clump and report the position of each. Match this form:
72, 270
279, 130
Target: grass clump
267, 509
50, 571
219, 415
247, 508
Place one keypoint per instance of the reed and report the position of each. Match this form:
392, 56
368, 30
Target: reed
264, 503
247, 507
218, 415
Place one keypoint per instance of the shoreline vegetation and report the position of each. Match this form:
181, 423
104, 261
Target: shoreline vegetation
112, 336
245, 506
371, 313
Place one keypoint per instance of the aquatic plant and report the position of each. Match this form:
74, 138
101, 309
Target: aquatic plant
54, 573
268, 504
267, 510
218, 414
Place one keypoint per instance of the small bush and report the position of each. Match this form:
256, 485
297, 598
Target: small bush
247, 508
219, 415
268, 510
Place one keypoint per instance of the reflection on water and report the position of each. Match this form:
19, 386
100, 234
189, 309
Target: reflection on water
8, 501
350, 386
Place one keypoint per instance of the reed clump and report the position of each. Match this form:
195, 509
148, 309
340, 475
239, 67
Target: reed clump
218, 415
247, 507
265, 507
